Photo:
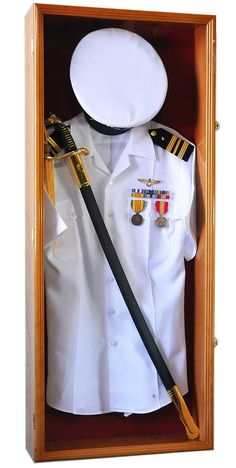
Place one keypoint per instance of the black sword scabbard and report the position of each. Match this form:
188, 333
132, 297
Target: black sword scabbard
81, 177
125, 288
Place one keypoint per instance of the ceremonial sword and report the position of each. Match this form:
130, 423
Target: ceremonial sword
74, 157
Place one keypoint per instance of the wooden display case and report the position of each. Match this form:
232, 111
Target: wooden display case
186, 44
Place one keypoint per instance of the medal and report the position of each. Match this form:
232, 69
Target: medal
162, 207
161, 222
137, 219
137, 206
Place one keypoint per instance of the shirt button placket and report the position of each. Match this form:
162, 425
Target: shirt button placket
108, 199
112, 337
109, 294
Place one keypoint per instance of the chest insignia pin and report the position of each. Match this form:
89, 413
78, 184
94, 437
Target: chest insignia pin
149, 182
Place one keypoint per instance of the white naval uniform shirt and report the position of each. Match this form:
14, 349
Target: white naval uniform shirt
97, 362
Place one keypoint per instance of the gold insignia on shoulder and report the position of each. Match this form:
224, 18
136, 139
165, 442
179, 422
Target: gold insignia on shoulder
149, 182
172, 143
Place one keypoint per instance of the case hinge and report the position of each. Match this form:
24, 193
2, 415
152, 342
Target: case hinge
216, 342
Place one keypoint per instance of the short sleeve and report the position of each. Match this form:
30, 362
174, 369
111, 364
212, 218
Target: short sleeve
190, 242
53, 223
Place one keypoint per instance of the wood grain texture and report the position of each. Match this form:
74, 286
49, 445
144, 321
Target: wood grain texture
30, 229
203, 284
39, 238
204, 262
91, 12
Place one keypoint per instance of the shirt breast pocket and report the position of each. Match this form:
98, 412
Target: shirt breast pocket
166, 235
69, 246
136, 240
154, 234
161, 238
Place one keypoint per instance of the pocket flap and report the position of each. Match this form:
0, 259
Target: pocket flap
69, 208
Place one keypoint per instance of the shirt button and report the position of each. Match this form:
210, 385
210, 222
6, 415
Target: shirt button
111, 279
153, 395
113, 312
110, 214
110, 182
114, 343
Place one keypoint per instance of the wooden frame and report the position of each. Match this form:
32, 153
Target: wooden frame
204, 134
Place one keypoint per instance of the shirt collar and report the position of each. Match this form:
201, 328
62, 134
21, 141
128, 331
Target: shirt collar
139, 144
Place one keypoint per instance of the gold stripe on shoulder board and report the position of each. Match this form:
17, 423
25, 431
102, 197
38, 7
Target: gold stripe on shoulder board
172, 143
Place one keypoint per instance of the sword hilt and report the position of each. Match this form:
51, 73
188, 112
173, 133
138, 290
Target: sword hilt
72, 153
192, 430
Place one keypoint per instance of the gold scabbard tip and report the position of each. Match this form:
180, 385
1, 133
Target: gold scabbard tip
192, 430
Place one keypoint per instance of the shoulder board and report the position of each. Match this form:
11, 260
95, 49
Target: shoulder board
172, 143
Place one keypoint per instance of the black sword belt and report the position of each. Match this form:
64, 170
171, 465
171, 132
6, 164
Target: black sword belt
78, 170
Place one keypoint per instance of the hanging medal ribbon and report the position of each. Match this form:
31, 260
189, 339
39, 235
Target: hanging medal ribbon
162, 207
137, 206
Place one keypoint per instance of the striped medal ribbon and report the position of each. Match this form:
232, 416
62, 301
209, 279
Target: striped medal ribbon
162, 207
137, 206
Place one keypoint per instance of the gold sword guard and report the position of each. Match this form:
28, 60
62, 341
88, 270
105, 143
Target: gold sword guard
74, 157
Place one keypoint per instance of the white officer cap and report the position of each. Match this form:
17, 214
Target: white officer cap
118, 78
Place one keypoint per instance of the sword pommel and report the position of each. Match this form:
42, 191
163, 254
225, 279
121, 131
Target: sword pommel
52, 120
192, 430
